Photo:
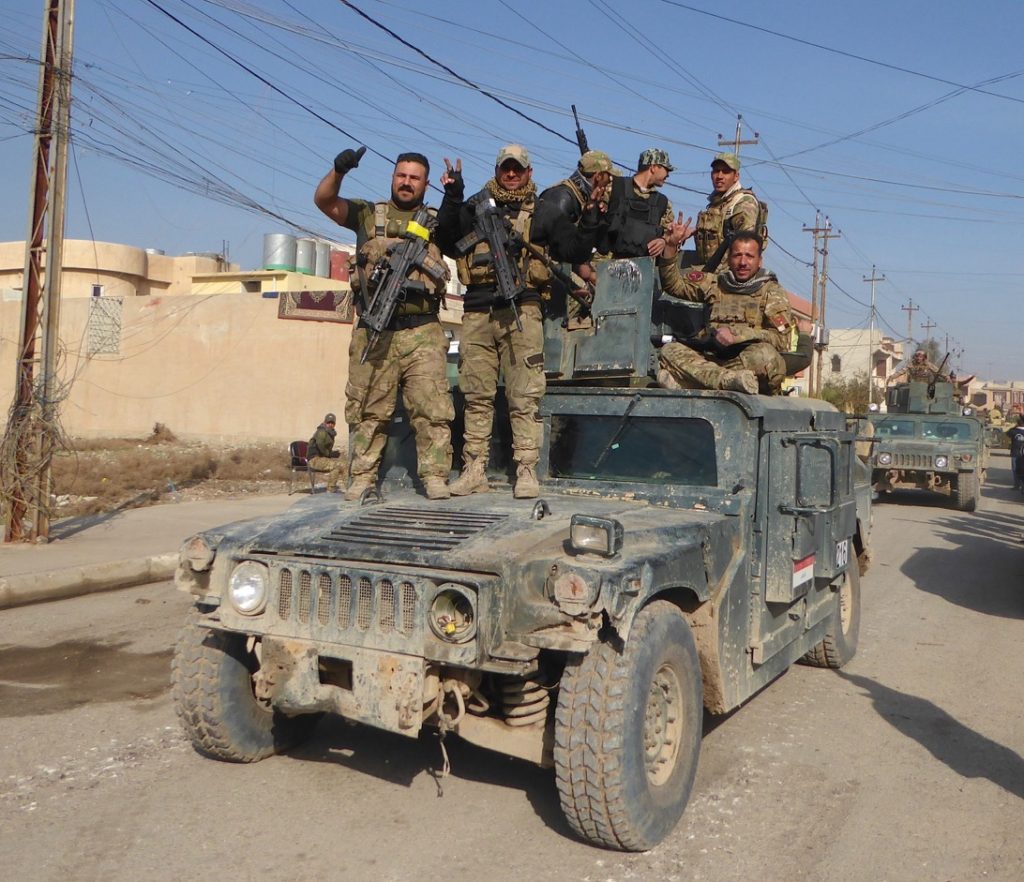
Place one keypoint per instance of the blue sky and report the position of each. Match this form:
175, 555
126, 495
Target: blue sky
902, 122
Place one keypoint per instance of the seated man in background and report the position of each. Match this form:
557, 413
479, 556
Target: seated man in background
748, 328
321, 456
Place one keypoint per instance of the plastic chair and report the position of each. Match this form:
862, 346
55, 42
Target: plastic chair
298, 451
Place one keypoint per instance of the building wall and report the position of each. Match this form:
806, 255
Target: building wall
201, 351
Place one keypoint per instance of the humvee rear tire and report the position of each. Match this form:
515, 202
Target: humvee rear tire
211, 683
967, 491
840, 642
627, 733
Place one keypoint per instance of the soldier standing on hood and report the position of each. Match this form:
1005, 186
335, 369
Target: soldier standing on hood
412, 351
490, 342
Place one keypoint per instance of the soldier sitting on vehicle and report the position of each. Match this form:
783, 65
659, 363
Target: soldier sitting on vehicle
748, 328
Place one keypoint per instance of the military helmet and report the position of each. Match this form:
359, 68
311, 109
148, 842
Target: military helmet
330, 418
654, 156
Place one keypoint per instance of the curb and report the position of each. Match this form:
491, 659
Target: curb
27, 588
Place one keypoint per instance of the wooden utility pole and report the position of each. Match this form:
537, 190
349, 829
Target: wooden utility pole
737, 140
28, 446
928, 325
871, 335
822, 231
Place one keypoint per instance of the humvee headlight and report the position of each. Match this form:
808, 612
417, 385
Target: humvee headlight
452, 615
968, 411
247, 587
941, 462
197, 553
595, 535
884, 458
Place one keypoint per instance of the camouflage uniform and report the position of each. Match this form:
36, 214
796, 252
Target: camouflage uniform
734, 210
763, 315
415, 359
489, 342
411, 355
322, 457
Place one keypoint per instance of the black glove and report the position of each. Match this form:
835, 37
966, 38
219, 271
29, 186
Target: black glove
456, 187
347, 160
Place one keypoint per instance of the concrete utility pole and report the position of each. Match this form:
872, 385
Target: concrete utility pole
928, 325
28, 446
871, 335
737, 141
910, 309
818, 292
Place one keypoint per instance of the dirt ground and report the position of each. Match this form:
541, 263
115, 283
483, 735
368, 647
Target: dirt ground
101, 475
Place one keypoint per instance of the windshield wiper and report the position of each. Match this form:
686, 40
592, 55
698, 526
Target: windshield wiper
618, 431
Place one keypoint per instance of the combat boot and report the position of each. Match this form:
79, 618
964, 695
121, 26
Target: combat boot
436, 488
738, 381
472, 480
667, 381
526, 481
360, 483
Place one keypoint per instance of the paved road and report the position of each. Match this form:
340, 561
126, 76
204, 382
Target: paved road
905, 766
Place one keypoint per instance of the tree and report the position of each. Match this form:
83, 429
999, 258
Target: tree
849, 395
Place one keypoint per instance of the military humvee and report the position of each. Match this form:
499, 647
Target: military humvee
687, 548
927, 441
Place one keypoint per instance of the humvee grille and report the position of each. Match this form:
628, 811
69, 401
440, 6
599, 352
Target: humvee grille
413, 528
339, 602
912, 460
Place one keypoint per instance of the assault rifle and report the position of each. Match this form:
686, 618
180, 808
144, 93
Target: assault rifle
387, 284
581, 136
490, 227
576, 287
935, 376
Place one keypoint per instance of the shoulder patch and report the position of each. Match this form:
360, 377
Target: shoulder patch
695, 276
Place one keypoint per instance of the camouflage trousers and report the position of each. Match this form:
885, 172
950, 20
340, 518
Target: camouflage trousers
330, 466
489, 344
697, 370
414, 360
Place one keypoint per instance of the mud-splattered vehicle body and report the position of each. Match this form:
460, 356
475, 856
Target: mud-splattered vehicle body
686, 548
926, 441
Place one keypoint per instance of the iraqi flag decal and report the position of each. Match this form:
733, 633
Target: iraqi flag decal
803, 570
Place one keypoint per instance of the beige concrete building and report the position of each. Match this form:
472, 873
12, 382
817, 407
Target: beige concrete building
213, 353
853, 351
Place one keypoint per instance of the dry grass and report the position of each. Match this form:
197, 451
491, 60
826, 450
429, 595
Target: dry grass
100, 475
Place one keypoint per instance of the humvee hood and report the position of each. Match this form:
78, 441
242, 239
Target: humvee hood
479, 533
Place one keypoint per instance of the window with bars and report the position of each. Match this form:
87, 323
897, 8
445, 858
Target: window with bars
104, 328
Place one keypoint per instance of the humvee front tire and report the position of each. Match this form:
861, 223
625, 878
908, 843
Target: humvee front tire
627, 733
840, 642
211, 683
967, 491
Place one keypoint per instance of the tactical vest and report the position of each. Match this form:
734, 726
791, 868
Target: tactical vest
712, 225
381, 230
633, 220
475, 267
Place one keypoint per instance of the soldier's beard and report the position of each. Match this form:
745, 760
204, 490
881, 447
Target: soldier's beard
405, 199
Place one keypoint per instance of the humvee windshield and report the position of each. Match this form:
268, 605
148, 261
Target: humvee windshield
895, 428
949, 431
649, 450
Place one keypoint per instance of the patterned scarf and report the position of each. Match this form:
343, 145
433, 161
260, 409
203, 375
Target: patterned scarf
728, 282
501, 195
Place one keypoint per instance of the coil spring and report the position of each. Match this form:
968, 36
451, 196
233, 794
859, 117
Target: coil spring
524, 702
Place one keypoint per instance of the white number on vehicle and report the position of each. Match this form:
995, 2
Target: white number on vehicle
842, 554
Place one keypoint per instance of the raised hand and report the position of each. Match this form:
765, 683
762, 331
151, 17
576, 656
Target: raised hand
347, 160
451, 180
